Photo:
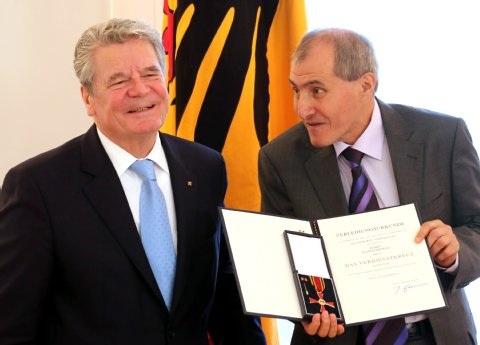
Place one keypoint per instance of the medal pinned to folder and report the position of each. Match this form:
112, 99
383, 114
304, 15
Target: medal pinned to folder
315, 288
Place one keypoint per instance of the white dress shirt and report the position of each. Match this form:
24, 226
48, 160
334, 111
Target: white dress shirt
132, 183
377, 165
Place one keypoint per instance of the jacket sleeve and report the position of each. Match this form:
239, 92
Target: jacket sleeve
25, 259
466, 206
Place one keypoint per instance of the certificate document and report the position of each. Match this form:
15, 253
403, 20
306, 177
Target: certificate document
362, 267
379, 271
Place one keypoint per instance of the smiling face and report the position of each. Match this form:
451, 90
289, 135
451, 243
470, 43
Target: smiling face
129, 99
331, 108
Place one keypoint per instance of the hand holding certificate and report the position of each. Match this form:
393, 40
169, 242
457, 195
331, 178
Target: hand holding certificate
382, 272
362, 267
443, 243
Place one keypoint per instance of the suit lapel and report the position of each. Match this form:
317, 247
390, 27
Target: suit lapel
407, 155
322, 171
185, 196
107, 197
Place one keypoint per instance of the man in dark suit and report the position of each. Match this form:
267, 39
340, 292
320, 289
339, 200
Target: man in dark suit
409, 155
74, 264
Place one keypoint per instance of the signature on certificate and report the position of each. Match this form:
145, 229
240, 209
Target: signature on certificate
405, 287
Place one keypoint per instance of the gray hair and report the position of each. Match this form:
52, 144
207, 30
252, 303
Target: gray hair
354, 54
111, 31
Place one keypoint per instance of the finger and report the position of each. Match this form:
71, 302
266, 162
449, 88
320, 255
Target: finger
311, 327
443, 245
332, 332
447, 250
446, 262
427, 228
443, 239
324, 324
424, 230
340, 329
438, 238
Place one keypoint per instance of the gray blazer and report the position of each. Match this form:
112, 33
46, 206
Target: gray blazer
436, 167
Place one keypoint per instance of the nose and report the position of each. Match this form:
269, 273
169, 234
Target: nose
303, 105
138, 88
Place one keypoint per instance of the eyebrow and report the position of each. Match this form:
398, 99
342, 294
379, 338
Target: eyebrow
121, 75
116, 76
152, 68
308, 83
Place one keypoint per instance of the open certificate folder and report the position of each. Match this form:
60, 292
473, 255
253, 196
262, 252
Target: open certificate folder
362, 267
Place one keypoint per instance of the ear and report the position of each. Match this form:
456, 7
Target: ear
368, 83
88, 101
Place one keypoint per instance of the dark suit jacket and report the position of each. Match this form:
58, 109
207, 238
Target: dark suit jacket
435, 166
72, 266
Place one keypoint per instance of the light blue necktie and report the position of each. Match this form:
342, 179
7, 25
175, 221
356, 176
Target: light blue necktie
155, 230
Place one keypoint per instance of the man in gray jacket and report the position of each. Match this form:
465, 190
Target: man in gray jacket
407, 155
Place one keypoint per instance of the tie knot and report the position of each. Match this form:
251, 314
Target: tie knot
352, 155
144, 169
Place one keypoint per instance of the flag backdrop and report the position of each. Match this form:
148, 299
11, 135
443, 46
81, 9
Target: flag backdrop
228, 64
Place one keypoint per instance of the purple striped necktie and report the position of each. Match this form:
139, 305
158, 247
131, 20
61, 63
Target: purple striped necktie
362, 198
362, 195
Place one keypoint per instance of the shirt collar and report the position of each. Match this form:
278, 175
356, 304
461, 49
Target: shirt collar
122, 160
372, 138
